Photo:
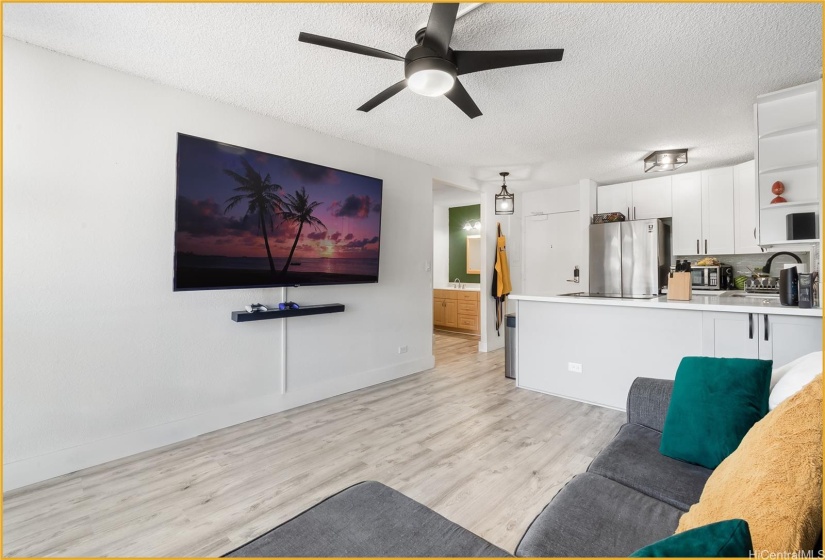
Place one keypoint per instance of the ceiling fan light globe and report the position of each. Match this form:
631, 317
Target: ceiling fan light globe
431, 82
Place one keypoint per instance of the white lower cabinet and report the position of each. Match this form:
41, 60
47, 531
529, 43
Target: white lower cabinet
781, 338
784, 338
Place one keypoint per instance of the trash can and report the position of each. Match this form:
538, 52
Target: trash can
510, 347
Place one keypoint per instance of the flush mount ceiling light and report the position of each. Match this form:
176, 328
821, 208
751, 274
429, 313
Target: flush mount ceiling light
504, 200
665, 160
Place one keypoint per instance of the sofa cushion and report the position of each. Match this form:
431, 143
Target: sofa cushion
368, 519
725, 539
715, 402
633, 459
773, 480
595, 516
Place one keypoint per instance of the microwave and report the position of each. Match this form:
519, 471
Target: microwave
712, 277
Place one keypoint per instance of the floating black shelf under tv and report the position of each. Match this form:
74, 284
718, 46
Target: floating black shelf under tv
244, 316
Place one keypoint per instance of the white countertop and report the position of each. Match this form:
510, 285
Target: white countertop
466, 288
769, 306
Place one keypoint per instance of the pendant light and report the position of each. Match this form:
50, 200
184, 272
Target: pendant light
504, 200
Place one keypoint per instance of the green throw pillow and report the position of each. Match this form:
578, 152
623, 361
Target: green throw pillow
715, 402
731, 539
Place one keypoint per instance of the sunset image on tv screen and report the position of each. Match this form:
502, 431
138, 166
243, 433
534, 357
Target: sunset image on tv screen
251, 219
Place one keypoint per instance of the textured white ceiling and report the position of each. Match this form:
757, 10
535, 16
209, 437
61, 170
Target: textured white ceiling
635, 77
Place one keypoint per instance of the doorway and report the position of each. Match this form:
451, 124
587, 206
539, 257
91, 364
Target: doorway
456, 260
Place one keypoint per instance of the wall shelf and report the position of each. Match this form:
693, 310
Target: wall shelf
769, 243
783, 131
788, 168
244, 316
780, 205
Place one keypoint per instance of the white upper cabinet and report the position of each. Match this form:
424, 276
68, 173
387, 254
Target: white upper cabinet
789, 149
703, 213
717, 212
652, 198
615, 198
638, 200
687, 214
746, 229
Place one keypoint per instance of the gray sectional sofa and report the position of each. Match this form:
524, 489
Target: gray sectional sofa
630, 496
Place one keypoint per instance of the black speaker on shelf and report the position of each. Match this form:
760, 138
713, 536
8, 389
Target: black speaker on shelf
801, 225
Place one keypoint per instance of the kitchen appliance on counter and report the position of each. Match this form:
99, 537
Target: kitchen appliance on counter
629, 259
718, 277
789, 286
808, 290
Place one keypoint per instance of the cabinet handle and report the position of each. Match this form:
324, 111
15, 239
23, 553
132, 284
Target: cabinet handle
754, 233
629, 217
706, 246
766, 326
750, 326
697, 246
634, 212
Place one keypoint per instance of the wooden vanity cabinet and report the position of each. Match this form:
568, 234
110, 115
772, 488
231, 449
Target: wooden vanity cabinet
456, 310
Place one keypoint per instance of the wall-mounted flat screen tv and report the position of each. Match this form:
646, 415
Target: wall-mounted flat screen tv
248, 219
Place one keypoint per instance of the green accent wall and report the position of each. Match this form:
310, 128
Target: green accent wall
458, 242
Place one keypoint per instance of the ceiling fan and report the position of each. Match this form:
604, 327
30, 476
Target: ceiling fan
432, 68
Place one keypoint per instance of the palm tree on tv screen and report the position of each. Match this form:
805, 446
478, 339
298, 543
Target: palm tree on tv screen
261, 195
299, 210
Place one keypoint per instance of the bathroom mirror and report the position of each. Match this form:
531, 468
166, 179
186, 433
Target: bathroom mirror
473, 254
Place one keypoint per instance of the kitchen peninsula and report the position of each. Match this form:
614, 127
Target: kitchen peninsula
591, 349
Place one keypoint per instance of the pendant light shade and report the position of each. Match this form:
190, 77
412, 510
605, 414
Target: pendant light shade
665, 160
504, 200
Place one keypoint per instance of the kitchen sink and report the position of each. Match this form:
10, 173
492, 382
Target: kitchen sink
751, 296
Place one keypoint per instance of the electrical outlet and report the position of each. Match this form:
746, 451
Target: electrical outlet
574, 367
402, 349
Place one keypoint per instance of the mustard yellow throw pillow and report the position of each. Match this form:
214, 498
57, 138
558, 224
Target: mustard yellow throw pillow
773, 480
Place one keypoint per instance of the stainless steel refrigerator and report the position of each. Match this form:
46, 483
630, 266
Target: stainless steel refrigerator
629, 259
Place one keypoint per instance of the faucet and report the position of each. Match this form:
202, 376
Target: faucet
457, 282
767, 268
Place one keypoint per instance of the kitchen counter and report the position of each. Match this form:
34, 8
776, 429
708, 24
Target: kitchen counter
591, 349
727, 303
466, 288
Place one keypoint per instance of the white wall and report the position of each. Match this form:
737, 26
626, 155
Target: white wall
547, 201
101, 358
441, 246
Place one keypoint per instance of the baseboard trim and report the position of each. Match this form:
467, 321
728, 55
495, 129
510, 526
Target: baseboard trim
43, 467
569, 398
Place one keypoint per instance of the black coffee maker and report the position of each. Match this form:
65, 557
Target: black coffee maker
789, 286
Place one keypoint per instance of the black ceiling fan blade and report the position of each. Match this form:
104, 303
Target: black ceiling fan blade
478, 61
346, 46
383, 96
463, 101
440, 28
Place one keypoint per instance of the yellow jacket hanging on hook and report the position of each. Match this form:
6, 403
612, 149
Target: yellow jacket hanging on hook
501, 277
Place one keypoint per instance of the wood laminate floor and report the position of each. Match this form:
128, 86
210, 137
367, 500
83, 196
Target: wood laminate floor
459, 438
